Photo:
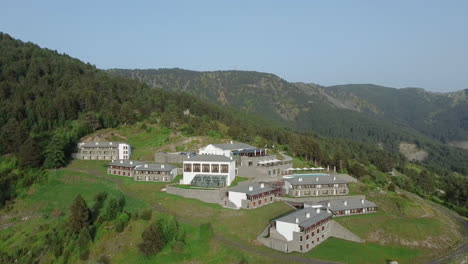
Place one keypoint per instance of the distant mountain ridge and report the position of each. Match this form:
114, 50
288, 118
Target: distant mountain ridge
440, 116
361, 112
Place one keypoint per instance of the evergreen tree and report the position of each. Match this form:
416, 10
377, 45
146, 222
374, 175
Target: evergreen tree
79, 215
29, 154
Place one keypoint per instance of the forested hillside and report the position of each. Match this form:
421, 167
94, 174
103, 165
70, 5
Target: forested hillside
49, 101
372, 114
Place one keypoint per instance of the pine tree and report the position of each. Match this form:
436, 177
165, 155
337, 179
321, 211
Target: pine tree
29, 154
79, 215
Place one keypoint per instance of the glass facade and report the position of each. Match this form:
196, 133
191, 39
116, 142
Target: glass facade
209, 181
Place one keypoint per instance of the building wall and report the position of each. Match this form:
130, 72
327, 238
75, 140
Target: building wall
236, 198
124, 151
207, 196
98, 153
163, 176
120, 171
268, 199
311, 238
212, 150
323, 190
286, 229
188, 176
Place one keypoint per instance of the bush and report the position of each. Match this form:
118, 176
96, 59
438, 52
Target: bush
121, 222
153, 240
146, 214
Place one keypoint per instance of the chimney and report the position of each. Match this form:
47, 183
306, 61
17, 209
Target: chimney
232, 142
297, 220
113, 160
334, 169
97, 143
250, 188
334, 178
110, 143
317, 210
328, 204
362, 201
316, 178
162, 166
231, 157
121, 161
300, 179
146, 165
308, 215
345, 203
262, 185
188, 156
131, 162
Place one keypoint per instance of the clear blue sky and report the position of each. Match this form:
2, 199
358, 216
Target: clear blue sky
417, 43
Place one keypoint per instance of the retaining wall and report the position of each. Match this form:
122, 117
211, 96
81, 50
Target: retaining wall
339, 231
207, 196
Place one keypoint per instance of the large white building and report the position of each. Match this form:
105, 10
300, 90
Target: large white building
232, 149
209, 171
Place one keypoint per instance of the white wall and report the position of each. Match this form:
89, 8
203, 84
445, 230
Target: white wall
286, 229
188, 176
211, 150
237, 197
287, 185
121, 151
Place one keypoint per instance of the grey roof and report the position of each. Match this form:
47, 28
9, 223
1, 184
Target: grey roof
302, 217
126, 163
256, 188
155, 167
330, 179
208, 158
352, 203
101, 144
234, 145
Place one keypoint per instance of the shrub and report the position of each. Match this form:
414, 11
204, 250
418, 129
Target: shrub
153, 240
146, 214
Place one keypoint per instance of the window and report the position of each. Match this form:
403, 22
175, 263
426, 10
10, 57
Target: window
318, 239
224, 168
307, 237
187, 167
313, 233
254, 203
323, 228
196, 167
250, 163
206, 167
307, 245
300, 238
214, 168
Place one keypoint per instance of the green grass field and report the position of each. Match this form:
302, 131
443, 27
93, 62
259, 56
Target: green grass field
356, 253
402, 217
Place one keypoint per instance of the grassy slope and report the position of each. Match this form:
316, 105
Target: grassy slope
388, 232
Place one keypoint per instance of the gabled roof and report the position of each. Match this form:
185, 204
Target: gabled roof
234, 145
155, 167
101, 144
303, 220
256, 188
351, 203
218, 158
125, 163
329, 179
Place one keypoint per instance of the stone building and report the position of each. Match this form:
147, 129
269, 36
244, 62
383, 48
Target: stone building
319, 185
122, 167
155, 172
301, 230
103, 151
251, 196
348, 206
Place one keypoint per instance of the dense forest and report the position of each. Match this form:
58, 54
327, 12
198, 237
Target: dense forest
50, 100
364, 113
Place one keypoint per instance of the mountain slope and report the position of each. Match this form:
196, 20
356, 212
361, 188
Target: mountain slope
366, 113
